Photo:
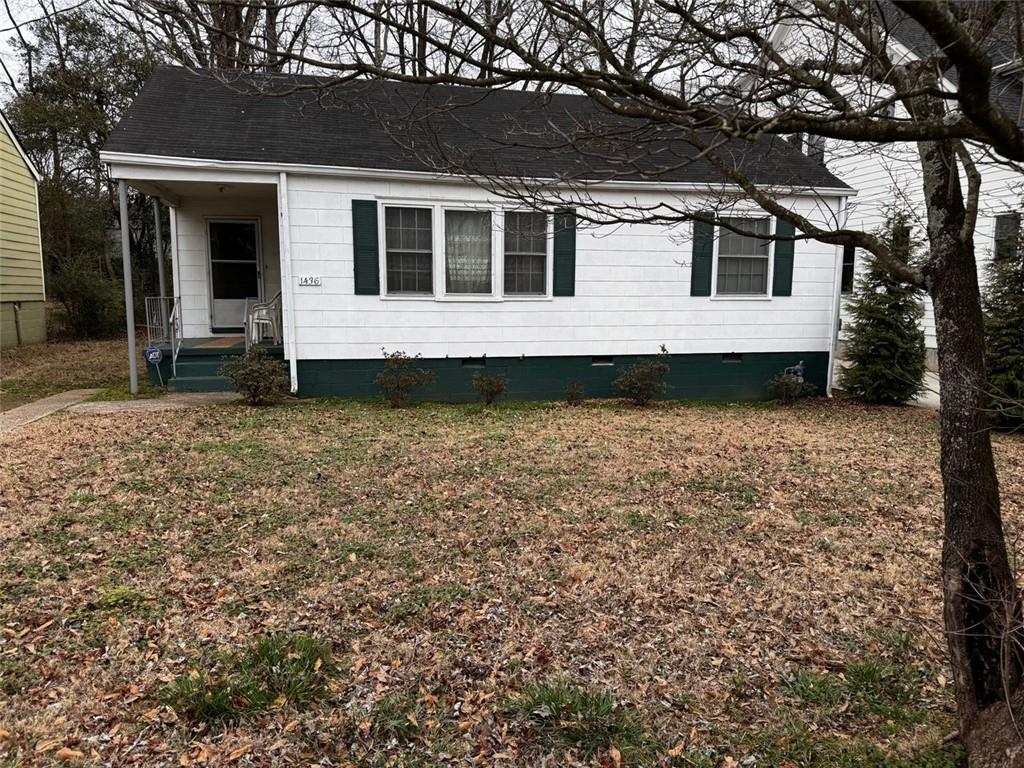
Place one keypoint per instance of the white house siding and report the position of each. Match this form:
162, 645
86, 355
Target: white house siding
192, 270
890, 177
632, 292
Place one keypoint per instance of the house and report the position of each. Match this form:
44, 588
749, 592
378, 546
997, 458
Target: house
888, 178
333, 214
22, 288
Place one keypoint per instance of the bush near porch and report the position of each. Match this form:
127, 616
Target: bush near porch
686, 585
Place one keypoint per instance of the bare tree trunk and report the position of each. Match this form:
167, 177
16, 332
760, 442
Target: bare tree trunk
980, 598
274, 62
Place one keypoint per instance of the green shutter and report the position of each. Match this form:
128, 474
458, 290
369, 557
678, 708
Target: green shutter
782, 281
365, 256
703, 253
565, 253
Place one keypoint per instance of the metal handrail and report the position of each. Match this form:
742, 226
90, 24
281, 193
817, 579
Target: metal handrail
177, 337
163, 325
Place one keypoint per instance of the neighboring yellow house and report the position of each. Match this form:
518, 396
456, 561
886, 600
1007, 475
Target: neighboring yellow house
22, 296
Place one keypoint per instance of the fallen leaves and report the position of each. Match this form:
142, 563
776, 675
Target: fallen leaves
687, 560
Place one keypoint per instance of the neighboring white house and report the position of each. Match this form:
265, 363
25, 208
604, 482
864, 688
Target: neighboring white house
888, 178
317, 197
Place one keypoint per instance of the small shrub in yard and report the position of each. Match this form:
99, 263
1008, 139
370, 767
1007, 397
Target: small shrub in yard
574, 394
259, 378
644, 381
489, 388
788, 386
567, 716
280, 669
401, 376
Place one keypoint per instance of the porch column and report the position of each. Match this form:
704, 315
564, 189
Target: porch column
129, 292
158, 246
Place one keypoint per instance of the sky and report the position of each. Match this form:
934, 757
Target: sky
12, 14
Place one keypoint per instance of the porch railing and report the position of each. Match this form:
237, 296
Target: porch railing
163, 325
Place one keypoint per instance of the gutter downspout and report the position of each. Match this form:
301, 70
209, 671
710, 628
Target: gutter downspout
284, 237
834, 313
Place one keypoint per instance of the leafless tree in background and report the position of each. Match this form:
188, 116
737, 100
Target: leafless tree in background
710, 75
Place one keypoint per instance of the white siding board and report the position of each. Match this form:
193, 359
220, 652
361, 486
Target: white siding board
632, 293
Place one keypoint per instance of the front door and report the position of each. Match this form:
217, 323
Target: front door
234, 271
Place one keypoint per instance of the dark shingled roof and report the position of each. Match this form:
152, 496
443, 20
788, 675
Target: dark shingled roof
399, 126
1006, 89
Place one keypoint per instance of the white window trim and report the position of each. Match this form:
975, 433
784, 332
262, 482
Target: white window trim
438, 281
382, 253
767, 295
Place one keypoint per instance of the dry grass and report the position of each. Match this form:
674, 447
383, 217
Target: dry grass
684, 585
39, 370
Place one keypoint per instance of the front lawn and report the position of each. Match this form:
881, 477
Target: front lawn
341, 584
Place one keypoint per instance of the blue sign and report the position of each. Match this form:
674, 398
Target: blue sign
154, 355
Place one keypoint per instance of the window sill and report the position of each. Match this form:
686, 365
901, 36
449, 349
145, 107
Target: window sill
474, 299
740, 297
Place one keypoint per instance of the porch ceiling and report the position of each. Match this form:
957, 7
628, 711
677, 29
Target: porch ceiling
173, 192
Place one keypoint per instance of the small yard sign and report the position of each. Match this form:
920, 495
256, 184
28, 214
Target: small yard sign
153, 357
309, 280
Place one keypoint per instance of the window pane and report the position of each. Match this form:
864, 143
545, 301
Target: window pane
742, 275
234, 280
526, 232
409, 272
467, 248
409, 250
849, 263
526, 252
733, 244
743, 259
233, 240
524, 274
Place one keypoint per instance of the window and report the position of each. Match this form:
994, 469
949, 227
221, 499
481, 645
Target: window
743, 259
849, 262
467, 249
409, 250
526, 254
1007, 236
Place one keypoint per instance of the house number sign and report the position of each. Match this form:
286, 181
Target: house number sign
309, 280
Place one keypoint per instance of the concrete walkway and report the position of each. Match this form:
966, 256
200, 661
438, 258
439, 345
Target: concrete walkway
172, 402
26, 414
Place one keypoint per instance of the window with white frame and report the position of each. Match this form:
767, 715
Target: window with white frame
467, 251
743, 259
526, 253
409, 250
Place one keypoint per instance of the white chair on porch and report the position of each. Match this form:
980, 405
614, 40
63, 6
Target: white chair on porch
263, 322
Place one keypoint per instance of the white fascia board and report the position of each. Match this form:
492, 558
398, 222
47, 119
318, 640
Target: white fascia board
124, 165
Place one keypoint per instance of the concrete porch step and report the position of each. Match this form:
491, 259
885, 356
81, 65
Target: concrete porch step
199, 384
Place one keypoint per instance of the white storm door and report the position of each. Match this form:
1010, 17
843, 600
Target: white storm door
234, 271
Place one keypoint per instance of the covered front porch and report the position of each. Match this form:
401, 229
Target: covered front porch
223, 293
